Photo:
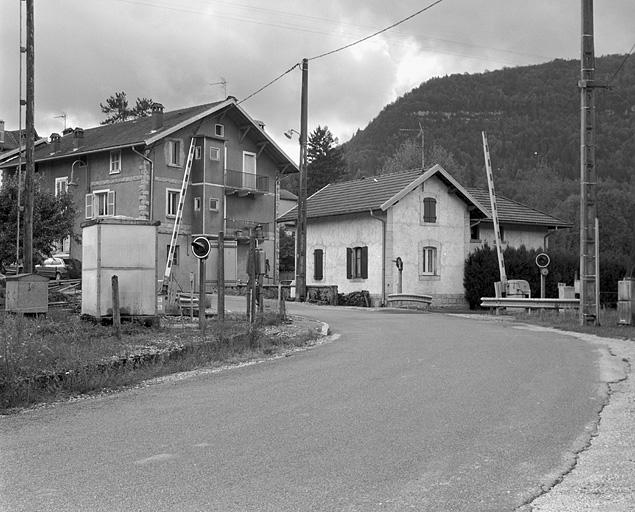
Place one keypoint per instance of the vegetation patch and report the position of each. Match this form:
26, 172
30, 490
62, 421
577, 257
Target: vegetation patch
48, 359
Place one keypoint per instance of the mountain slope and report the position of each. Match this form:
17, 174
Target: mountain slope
531, 115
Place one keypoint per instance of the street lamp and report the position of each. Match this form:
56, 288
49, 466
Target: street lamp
289, 133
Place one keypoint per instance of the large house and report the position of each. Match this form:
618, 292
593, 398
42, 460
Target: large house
135, 169
357, 230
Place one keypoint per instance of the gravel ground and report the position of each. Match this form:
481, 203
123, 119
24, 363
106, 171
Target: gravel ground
603, 476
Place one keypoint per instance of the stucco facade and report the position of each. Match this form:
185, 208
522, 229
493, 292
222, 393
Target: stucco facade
449, 235
428, 222
135, 169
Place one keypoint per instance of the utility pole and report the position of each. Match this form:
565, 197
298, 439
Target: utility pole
589, 264
300, 264
30, 139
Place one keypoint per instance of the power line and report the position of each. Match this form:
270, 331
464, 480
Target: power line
622, 64
376, 33
270, 83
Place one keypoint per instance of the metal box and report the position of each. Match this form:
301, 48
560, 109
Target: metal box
126, 248
27, 293
626, 302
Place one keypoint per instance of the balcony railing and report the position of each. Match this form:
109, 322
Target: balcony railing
237, 180
241, 228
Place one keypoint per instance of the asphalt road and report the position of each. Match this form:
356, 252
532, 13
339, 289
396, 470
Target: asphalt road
401, 412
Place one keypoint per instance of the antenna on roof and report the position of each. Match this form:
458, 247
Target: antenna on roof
222, 82
64, 116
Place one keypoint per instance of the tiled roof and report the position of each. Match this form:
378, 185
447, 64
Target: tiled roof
513, 212
138, 132
355, 196
370, 193
128, 133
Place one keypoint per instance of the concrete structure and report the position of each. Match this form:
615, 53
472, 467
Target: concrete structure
126, 248
135, 169
357, 230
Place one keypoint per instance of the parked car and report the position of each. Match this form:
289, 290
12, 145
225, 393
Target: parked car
60, 267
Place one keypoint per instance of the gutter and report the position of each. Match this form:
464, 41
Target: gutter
151, 201
383, 256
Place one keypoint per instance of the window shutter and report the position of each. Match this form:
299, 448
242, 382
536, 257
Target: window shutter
111, 202
89, 206
349, 263
318, 258
365, 262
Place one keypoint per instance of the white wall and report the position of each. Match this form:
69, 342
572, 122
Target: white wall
449, 234
333, 236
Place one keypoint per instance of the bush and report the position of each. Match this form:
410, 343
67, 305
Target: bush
481, 272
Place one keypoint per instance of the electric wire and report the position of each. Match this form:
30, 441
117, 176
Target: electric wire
297, 65
621, 65
343, 48
377, 33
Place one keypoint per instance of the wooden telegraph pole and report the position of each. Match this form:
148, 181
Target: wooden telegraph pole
30, 140
589, 264
300, 264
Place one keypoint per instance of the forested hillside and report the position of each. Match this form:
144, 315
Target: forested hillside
532, 118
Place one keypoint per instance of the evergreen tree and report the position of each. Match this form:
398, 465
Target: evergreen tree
325, 160
118, 111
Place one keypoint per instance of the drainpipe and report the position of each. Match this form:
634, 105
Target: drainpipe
546, 238
383, 257
151, 198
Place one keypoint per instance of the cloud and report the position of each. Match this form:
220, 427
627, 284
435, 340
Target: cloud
173, 50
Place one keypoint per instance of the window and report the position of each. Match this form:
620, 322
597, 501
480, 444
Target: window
100, 203
61, 186
219, 130
502, 232
197, 204
429, 260
197, 152
429, 209
214, 154
213, 204
318, 264
174, 152
115, 161
475, 232
357, 262
175, 256
249, 169
172, 197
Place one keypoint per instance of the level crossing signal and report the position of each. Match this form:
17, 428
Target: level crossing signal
201, 247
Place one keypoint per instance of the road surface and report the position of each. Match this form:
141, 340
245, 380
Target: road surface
401, 412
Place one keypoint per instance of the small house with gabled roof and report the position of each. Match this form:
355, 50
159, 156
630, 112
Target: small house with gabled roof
357, 230
135, 169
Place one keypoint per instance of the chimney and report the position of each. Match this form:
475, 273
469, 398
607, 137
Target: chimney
1, 135
157, 116
78, 137
56, 140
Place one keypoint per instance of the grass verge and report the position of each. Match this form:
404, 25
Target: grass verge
570, 321
48, 359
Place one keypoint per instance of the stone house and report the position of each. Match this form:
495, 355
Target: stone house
135, 169
357, 229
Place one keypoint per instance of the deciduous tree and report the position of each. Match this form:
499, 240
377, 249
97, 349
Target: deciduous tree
53, 219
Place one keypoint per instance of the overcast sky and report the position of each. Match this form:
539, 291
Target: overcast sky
174, 51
